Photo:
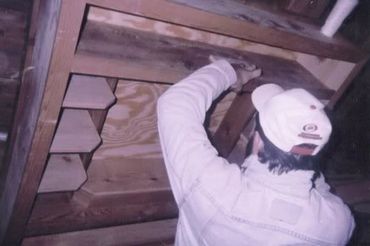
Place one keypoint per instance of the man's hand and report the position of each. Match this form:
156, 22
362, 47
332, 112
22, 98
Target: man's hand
244, 71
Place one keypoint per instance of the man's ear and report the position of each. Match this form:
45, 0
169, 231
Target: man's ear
257, 143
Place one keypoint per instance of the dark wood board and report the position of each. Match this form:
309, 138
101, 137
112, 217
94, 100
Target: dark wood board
228, 18
12, 39
160, 232
57, 213
228, 133
147, 55
36, 115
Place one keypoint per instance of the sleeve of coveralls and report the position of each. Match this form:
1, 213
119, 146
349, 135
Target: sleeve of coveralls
181, 110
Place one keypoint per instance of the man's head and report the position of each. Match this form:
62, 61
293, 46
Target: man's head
292, 121
291, 118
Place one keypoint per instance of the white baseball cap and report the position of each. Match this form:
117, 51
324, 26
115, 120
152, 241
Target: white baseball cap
290, 118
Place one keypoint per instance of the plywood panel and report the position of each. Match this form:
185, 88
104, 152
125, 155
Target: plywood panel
130, 130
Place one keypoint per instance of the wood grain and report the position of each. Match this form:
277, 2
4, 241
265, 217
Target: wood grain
329, 71
76, 133
98, 117
160, 232
57, 212
88, 92
122, 179
127, 20
37, 113
130, 129
226, 18
233, 124
62, 173
12, 38
103, 51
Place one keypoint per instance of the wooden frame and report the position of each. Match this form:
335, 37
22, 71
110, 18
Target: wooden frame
54, 57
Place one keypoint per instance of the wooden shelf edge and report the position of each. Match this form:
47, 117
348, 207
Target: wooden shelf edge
63, 173
76, 133
88, 92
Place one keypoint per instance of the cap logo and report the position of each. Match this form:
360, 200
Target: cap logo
310, 128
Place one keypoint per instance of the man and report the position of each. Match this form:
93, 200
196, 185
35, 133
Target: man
278, 197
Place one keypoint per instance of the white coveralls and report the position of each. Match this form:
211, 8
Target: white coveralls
221, 205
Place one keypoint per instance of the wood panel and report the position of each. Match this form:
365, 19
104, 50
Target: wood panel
122, 179
103, 51
49, 74
230, 18
76, 133
130, 130
62, 173
151, 233
309, 8
57, 213
12, 37
98, 117
120, 19
330, 72
88, 92
8, 95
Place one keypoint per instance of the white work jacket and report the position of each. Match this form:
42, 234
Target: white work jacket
220, 204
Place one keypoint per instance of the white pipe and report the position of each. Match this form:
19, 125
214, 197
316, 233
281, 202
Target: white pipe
3, 136
337, 15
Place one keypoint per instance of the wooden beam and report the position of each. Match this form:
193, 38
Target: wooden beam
240, 112
211, 17
58, 212
41, 95
355, 71
150, 233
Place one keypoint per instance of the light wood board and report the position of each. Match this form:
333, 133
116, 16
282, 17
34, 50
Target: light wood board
76, 133
88, 92
63, 173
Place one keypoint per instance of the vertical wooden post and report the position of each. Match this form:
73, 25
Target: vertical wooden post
41, 94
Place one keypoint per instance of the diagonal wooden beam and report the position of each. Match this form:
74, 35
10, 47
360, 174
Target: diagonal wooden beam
239, 114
